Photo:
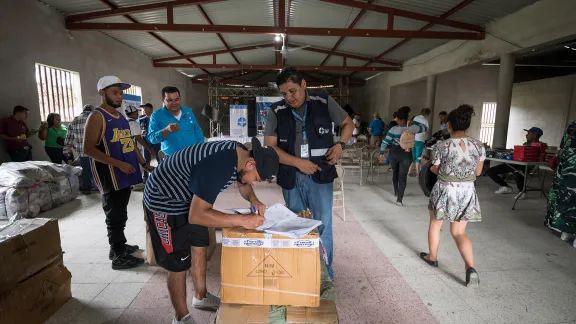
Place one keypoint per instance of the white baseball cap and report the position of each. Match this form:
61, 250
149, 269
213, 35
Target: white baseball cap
110, 80
131, 109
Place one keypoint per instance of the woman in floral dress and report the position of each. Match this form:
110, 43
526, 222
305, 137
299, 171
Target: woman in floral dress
457, 161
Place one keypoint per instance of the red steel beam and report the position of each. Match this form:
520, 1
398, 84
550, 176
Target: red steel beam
352, 56
311, 31
407, 14
116, 11
158, 38
274, 67
429, 25
281, 13
354, 22
229, 50
218, 34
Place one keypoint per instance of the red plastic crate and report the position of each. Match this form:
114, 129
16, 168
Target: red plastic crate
526, 153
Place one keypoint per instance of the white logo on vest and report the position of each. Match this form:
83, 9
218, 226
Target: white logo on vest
323, 131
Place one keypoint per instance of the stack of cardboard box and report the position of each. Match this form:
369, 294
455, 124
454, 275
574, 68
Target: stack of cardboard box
34, 283
260, 270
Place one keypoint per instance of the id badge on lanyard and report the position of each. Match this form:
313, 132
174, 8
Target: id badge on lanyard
304, 149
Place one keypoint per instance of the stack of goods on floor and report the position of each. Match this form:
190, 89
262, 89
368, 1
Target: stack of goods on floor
269, 278
34, 283
27, 188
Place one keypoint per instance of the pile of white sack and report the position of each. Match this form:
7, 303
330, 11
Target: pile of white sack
27, 188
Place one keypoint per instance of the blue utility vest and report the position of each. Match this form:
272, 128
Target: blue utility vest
319, 133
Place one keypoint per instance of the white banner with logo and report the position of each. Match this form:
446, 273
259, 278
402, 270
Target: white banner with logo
238, 120
262, 107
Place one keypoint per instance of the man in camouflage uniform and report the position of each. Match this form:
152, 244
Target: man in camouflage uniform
561, 213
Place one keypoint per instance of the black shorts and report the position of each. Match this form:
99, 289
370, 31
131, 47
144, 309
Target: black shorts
172, 236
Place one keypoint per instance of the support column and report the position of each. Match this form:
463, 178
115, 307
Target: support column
504, 100
431, 101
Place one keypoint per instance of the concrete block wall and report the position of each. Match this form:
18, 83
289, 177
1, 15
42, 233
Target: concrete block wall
31, 32
549, 104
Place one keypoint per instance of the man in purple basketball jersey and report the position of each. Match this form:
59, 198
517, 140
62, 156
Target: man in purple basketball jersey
115, 162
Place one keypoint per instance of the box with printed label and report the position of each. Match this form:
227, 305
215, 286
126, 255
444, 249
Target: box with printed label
265, 269
27, 246
37, 298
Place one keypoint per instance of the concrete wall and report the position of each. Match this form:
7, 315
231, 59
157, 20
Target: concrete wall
42, 38
548, 104
471, 85
412, 95
513, 33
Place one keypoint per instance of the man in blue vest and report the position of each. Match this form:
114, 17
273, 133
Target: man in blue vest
173, 125
300, 128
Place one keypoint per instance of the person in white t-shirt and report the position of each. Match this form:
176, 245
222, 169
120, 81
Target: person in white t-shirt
420, 138
357, 122
132, 114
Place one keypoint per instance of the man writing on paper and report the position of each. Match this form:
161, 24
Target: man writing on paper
179, 196
299, 127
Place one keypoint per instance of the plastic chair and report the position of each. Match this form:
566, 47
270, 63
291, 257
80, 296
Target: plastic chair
339, 191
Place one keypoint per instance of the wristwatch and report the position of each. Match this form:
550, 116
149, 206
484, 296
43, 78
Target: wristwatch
342, 144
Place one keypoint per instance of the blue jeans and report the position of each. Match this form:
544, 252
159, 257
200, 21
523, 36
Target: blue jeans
86, 173
308, 194
148, 157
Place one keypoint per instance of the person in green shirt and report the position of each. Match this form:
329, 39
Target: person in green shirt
53, 132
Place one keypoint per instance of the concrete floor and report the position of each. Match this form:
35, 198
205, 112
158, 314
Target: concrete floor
527, 274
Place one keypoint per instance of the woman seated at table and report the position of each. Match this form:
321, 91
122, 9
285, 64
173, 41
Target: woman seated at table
532, 136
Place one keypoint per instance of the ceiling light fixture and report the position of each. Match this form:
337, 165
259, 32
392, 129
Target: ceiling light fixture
278, 38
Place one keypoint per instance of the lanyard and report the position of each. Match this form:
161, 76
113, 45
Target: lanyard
303, 120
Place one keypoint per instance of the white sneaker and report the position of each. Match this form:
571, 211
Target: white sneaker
567, 237
503, 190
138, 187
574, 244
185, 320
521, 196
209, 302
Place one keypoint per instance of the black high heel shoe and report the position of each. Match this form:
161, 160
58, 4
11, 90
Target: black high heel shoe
423, 256
472, 278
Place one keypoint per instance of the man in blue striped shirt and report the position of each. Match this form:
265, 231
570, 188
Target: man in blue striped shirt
400, 159
178, 199
173, 125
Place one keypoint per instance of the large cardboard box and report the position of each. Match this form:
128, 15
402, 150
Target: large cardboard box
37, 298
27, 246
258, 314
265, 269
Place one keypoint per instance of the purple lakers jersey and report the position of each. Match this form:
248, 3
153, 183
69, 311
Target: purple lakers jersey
116, 142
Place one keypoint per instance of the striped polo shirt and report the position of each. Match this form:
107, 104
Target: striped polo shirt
203, 170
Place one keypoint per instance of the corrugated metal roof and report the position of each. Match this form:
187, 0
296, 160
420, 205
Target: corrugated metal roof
314, 13
302, 57
414, 48
76, 6
366, 46
142, 42
484, 11
238, 40
220, 59
428, 7
259, 56
192, 42
247, 12
303, 13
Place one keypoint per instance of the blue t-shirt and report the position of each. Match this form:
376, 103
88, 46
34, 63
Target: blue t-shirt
190, 132
203, 170
377, 126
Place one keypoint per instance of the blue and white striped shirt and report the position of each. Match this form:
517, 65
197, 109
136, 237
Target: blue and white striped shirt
203, 170
393, 135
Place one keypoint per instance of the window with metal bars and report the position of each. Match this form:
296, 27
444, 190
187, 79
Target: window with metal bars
488, 120
134, 90
58, 92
